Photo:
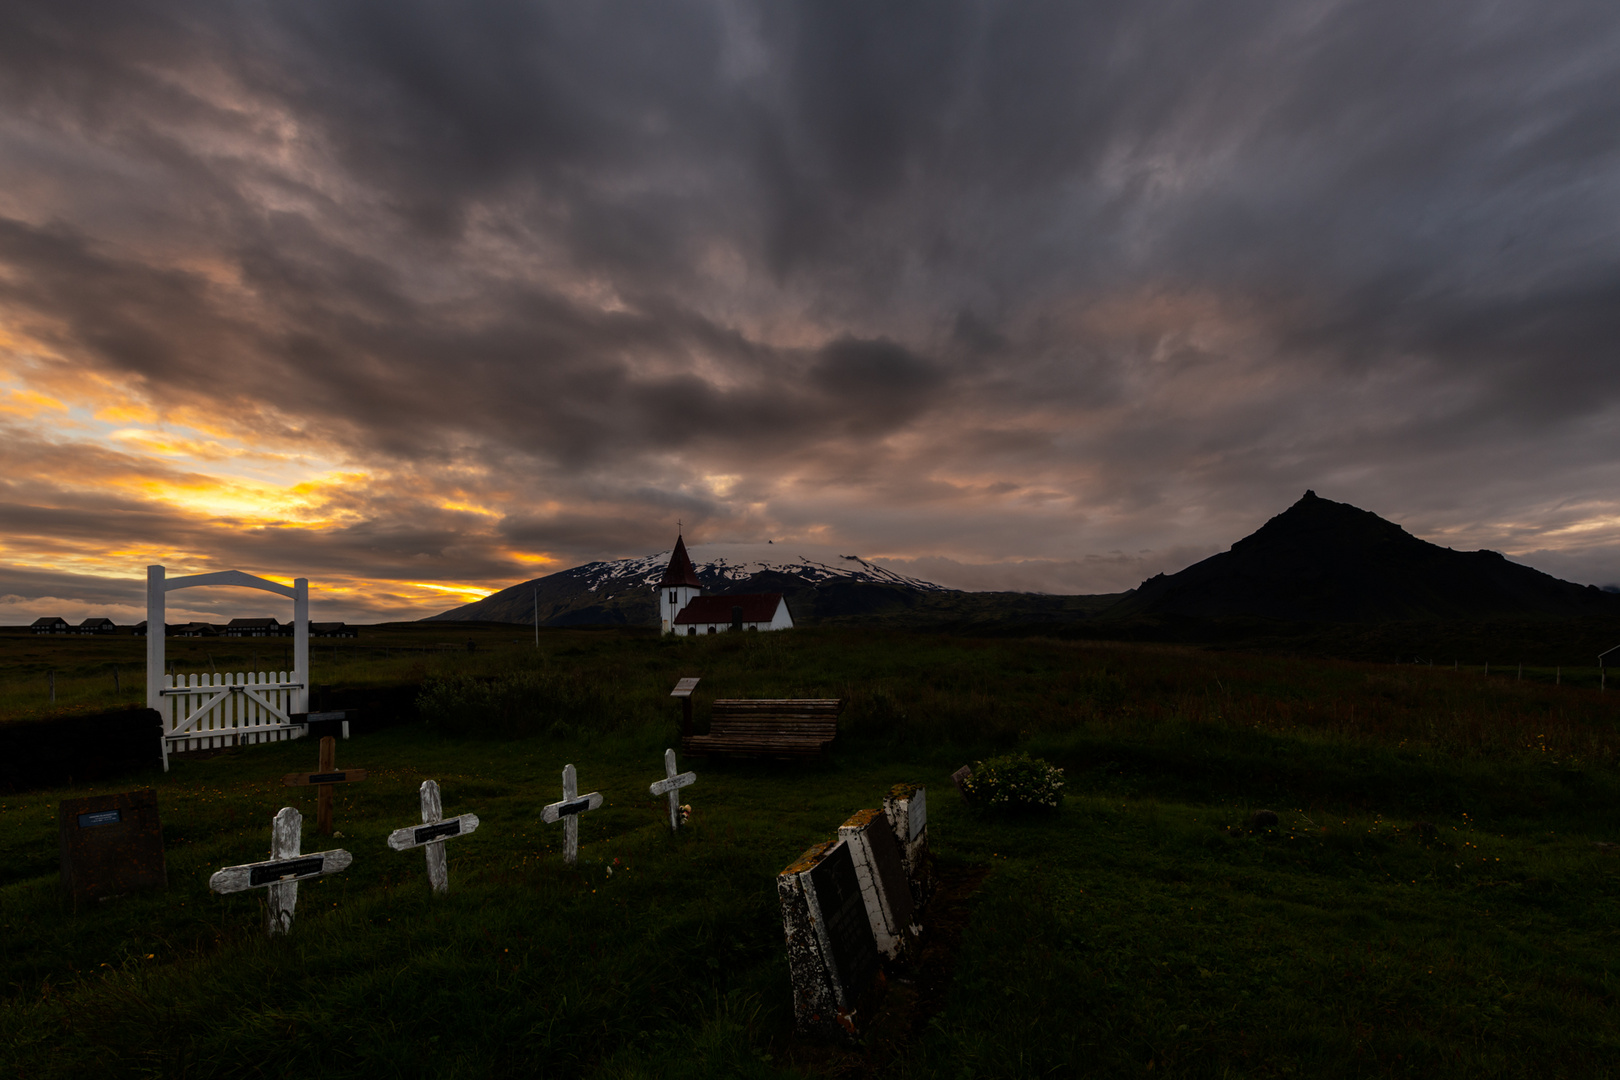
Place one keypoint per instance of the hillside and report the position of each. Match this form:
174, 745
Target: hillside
1321, 561
819, 584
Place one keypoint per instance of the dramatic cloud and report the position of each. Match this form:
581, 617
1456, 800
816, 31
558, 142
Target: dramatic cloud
418, 300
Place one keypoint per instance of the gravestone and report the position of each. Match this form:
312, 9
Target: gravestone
832, 956
907, 808
884, 888
283, 871
671, 785
111, 844
324, 777
432, 833
572, 805
960, 777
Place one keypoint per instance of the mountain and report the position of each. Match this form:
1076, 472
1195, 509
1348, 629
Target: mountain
819, 584
1329, 562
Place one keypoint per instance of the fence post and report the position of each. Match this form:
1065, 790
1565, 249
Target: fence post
301, 643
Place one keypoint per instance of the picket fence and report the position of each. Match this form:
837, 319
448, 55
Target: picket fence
220, 709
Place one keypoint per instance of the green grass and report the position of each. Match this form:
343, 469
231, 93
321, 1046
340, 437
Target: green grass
1137, 927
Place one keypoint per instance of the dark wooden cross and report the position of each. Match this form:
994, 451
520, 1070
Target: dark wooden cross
326, 775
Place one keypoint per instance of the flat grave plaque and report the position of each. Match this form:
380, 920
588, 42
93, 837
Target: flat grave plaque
111, 844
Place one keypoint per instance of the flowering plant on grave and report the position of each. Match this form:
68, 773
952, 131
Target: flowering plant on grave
686, 812
1015, 781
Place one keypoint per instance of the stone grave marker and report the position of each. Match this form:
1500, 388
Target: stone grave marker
961, 776
572, 805
326, 775
111, 844
431, 835
671, 785
283, 871
882, 877
832, 956
907, 808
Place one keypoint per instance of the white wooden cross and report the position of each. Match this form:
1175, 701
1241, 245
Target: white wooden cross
573, 804
432, 833
671, 785
284, 870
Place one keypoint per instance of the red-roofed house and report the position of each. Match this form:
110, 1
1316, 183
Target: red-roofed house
683, 609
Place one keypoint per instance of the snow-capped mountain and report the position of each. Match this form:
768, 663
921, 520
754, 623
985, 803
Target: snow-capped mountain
620, 591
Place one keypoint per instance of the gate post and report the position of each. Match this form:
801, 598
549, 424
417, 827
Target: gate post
156, 628
301, 643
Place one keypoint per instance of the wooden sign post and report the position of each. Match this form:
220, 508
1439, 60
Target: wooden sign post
432, 834
683, 690
282, 873
573, 804
324, 779
671, 785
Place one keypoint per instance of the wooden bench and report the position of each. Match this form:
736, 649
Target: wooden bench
768, 727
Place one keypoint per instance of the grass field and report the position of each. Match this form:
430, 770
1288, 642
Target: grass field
1138, 931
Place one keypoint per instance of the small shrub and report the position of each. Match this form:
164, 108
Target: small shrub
1015, 781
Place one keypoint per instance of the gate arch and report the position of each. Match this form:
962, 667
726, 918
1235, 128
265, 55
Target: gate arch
274, 699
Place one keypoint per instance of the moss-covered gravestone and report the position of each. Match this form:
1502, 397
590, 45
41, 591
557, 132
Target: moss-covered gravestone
832, 955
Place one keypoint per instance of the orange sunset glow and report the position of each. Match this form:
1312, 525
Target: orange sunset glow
274, 300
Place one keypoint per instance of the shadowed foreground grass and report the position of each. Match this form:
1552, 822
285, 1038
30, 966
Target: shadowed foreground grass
1138, 931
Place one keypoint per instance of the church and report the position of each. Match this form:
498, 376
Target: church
684, 610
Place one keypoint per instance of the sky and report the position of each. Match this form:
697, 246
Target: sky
419, 300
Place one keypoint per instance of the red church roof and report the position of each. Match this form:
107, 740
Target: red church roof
756, 608
680, 570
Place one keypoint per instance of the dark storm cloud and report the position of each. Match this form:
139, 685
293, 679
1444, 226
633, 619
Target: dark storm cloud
972, 280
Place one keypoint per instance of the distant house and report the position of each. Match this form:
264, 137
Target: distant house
96, 626
752, 611
51, 625
333, 629
194, 629
255, 628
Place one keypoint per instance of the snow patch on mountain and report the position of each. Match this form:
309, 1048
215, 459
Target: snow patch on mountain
739, 562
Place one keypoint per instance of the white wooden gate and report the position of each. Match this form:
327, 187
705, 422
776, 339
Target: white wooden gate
202, 712
210, 711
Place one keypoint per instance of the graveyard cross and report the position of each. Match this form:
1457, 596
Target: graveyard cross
432, 833
573, 804
325, 778
285, 869
671, 785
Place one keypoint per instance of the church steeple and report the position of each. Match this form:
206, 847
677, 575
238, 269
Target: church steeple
680, 570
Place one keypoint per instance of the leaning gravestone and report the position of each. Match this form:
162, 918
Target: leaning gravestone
111, 844
832, 956
283, 871
432, 833
884, 888
907, 808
